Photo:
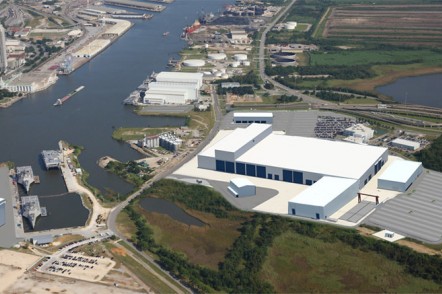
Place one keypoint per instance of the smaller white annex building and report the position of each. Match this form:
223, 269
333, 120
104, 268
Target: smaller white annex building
400, 175
324, 197
2, 212
253, 117
405, 144
360, 131
241, 187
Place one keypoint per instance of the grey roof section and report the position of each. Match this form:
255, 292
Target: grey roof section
359, 211
417, 214
7, 232
294, 123
44, 239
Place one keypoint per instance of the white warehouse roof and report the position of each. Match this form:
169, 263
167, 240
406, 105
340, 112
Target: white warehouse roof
241, 182
237, 139
400, 171
314, 155
404, 142
178, 76
253, 114
323, 191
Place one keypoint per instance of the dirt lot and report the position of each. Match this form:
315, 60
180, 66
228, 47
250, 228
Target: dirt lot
231, 99
39, 283
395, 24
12, 266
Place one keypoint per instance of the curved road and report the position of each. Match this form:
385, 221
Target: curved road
111, 220
262, 73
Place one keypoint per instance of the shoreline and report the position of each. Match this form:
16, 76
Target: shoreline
15, 99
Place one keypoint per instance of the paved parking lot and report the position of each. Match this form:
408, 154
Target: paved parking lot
8, 231
294, 123
416, 213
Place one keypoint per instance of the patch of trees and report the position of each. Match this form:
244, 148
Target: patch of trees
133, 172
280, 70
242, 90
332, 96
338, 72
287, 99
6, 94
432, 157
195, 197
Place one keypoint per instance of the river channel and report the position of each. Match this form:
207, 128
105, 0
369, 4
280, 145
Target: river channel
163, 206
88, 119
423, 90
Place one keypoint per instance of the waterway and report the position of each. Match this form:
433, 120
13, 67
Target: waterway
88, 118
168, 208
423, 90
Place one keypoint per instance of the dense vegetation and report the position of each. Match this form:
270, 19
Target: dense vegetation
242, 90
250, 78
338, 72
6, 94
133, 172
287, 99
240, 270
432, 156
331, 96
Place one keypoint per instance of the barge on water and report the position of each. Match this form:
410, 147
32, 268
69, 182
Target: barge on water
60, 101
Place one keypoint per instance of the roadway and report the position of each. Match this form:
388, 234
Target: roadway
112, 218
262, 46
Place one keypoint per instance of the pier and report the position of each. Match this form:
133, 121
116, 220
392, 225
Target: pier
136, 5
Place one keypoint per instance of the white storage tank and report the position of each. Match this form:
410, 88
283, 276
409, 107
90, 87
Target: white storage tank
217, 56
194, 62
290, 25
240, 57
225, 76
235, 64
246, 63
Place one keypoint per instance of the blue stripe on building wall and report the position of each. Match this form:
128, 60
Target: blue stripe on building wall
240, 168
261, 171
230, 167
220, 165
298, 178
251, 170
287, 175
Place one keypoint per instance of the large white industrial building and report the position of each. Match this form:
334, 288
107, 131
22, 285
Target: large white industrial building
2, 212
400, 175
256, 151
174, 88
324, 198
405, 144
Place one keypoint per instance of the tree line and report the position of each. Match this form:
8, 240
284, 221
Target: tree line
432, 157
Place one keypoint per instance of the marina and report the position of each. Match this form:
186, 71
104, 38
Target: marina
60, 101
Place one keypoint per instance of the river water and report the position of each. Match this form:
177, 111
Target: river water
423, 90
88, 119
166, 207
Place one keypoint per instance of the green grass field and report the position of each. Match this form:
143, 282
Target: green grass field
124, 134
298, 263
368, 57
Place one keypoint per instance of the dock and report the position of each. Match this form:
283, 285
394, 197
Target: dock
136, 4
